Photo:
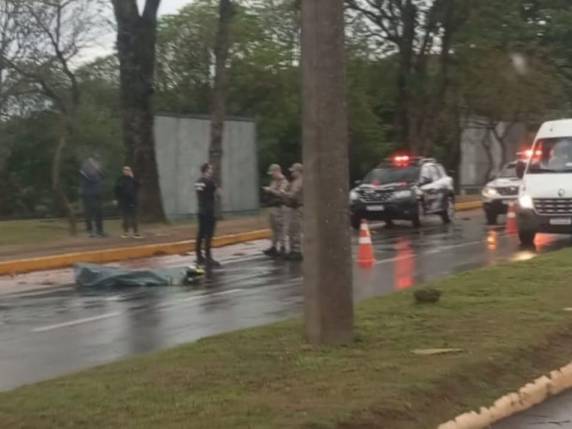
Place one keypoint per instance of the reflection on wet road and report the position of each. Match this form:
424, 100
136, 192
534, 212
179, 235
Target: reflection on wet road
49, 332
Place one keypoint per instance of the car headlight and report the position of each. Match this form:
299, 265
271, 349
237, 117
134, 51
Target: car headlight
525, 202
489, 192
402, 195
354, 196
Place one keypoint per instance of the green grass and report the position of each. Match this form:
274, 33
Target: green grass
509, 320
32, 231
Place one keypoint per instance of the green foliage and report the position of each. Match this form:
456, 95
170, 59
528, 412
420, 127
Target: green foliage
482, 78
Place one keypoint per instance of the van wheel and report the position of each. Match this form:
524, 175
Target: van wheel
356, 222
527, 237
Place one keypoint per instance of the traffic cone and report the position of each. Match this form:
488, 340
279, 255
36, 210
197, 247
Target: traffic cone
511, 224
365, 257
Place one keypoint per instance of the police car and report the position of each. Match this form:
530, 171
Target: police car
499, 193
404, 188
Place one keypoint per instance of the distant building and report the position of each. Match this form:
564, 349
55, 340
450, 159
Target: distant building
182, 144
482, 152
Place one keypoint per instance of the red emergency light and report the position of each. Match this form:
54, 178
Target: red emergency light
529, 153
401, 160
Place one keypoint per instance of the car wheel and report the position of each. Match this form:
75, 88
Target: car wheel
527, 237
356, 222
419, 217
448, 214
491, 218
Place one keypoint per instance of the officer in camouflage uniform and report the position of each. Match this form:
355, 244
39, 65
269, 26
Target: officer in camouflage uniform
294, 200
275, 192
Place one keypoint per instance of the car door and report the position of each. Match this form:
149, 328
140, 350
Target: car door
428, 186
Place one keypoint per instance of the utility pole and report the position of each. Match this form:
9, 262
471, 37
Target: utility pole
328, 298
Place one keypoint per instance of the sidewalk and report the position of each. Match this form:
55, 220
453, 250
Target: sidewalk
27, 246
31, 239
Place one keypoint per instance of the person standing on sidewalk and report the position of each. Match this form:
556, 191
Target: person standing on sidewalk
206, 189
294, 199
277, 187
126, 192
91, 184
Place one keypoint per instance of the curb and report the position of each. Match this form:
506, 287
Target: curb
54, 262
529, 396
46, 263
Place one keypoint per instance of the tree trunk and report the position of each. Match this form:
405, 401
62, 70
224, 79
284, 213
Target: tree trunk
403, 116
57, 187
328, 302
136, 47
218, 102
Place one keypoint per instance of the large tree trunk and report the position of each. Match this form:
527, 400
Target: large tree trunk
328, 301
57, 187
218, 99
406, 55
136, 46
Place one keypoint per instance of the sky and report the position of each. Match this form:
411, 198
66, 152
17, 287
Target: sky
105, 45
169, 6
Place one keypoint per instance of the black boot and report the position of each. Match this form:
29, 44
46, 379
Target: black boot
211, 263
295, 257
272, 252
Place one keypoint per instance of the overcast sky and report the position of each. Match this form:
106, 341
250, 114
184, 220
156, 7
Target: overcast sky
170, 6
105, 44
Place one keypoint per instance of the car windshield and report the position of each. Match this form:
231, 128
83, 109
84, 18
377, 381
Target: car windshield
508, 172
552, 156
385, 176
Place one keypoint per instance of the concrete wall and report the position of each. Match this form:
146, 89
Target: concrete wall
474, 159
182, 146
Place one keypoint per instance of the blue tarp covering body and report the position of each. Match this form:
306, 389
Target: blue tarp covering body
99, 276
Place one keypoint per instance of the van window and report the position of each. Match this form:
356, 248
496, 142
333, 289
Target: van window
553, 156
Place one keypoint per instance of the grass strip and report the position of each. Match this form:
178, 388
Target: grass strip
509, 321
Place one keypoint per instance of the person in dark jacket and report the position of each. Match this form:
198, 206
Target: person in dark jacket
206, 189
126, 191
91, 183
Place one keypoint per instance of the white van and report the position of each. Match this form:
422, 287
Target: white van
545, 195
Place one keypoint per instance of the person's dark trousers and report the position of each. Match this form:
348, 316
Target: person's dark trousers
93, 214
207, 224
129, 215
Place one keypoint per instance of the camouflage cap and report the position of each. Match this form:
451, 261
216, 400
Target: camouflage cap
274, 168
297, 167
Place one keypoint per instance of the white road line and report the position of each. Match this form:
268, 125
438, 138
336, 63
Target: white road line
209, 295
116, 314
76, 322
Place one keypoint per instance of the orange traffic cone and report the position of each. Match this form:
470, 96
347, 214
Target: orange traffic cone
365, 257
511, 224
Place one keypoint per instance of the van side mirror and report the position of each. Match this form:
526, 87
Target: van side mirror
520, 169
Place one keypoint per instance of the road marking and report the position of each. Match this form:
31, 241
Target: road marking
116, 314
76, 322
209, 295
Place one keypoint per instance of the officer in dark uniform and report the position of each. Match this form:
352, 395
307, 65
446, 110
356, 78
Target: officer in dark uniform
206, 195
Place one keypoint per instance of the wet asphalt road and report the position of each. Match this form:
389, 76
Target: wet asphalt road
47, 331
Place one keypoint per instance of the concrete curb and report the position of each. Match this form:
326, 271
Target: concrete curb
527, 397
54, 262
